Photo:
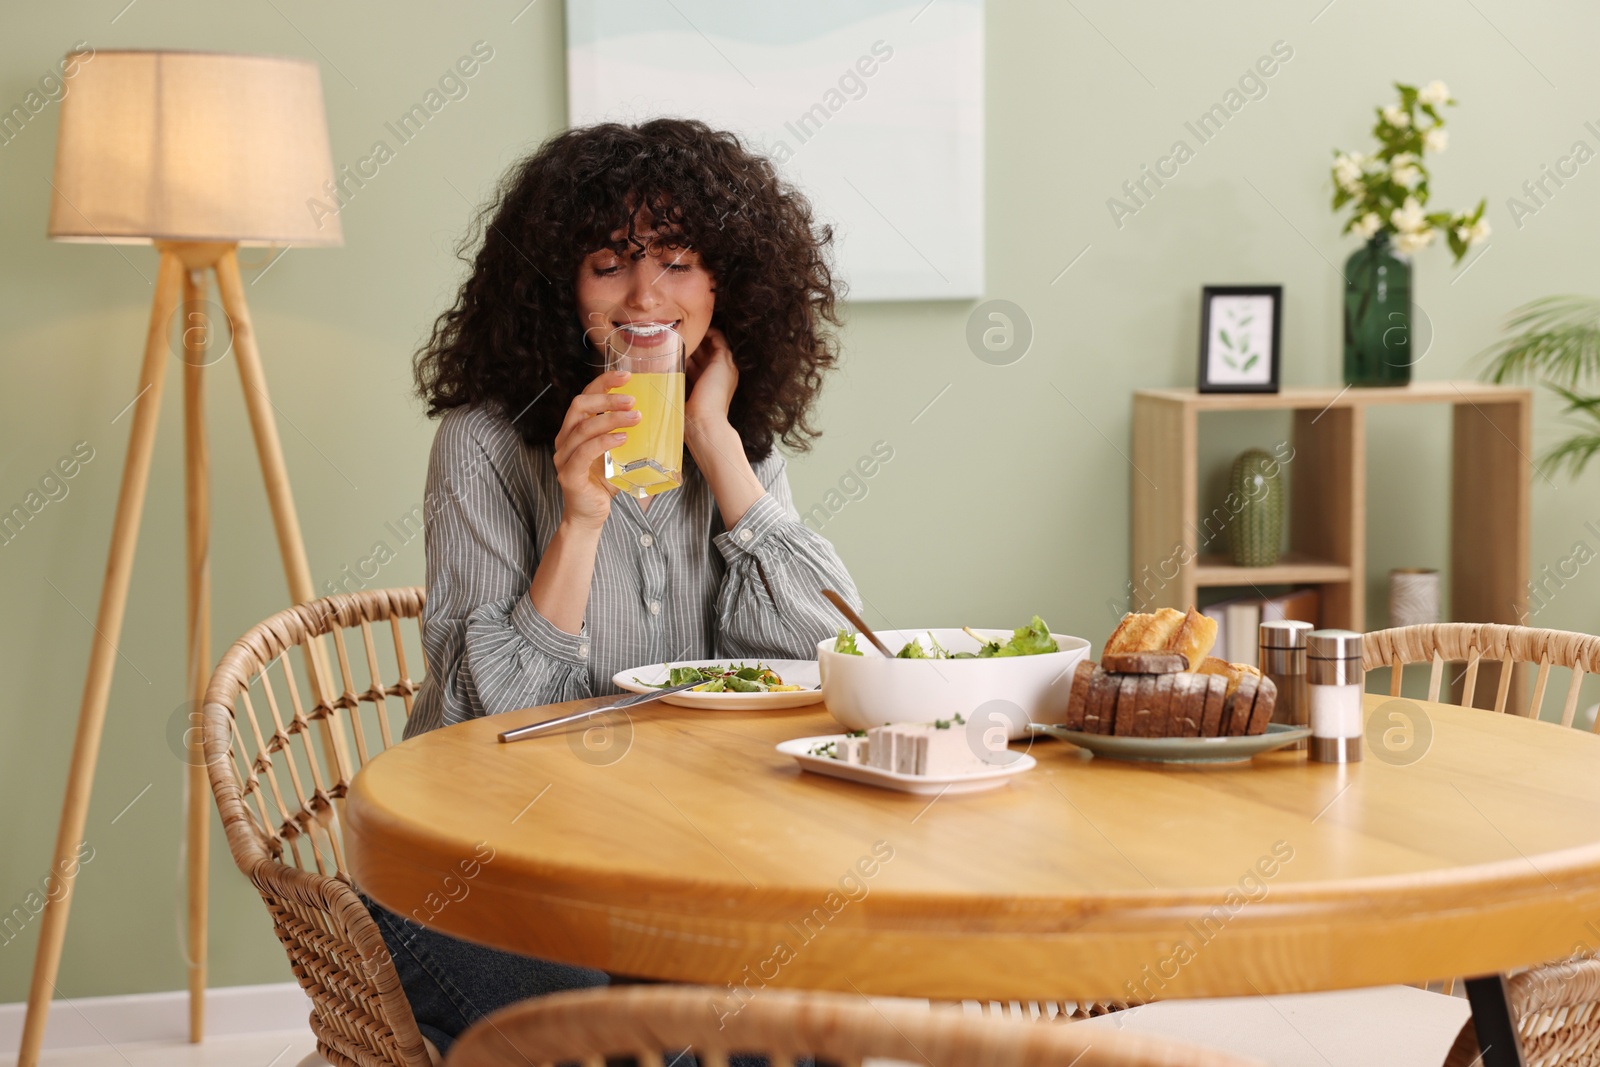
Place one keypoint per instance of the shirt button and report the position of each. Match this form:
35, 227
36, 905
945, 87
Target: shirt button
655, 607
583, 651
646, 540
745, 535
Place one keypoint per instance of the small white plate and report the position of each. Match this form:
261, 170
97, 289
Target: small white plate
800, 748
801, 672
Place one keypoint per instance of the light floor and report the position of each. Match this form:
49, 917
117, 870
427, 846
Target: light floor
278, 1049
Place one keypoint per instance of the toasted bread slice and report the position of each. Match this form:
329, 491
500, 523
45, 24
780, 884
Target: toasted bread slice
1144, 631
1193, 636
1163, 630
1233, 672
1167, 630
1129, 634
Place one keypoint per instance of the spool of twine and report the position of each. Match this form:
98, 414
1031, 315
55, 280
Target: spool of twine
1413, 596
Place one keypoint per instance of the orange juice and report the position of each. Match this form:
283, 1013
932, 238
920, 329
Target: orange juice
651, 459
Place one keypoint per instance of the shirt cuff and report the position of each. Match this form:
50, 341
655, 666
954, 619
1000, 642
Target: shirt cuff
759, 518
546, 637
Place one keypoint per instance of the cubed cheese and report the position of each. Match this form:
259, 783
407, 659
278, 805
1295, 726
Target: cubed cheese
850, 749
922, 748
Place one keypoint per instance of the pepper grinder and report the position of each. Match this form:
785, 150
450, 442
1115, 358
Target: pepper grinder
1334, 682
1283, 659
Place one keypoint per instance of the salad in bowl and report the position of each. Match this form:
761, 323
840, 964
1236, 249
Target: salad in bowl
991, 678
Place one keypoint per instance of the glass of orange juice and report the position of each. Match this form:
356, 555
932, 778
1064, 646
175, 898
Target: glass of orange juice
651, 459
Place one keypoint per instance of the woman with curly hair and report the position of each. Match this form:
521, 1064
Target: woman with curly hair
544, 579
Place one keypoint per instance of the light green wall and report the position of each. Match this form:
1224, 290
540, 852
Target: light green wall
1001, 500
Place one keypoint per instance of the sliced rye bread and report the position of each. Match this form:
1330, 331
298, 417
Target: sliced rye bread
1144, 662
1216, 690
1100, 711
1078, 695
1188, 706
1261, 710
1236, 709
1145, 723
1127, 705
1161, 705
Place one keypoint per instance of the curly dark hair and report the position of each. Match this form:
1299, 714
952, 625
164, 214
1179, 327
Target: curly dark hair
513, 339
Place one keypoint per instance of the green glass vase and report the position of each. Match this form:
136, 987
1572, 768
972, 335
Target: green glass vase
1377, 315
1256, 491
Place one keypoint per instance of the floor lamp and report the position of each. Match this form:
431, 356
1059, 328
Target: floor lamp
196, 153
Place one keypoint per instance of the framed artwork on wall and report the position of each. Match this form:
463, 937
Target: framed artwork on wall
1240, 327
872, 108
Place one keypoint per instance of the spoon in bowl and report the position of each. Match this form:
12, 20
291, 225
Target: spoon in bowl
857, 621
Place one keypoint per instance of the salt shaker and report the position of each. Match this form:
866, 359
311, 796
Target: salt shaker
1283, 659
1334, 676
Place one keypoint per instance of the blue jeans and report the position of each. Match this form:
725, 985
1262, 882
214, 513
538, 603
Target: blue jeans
452, 983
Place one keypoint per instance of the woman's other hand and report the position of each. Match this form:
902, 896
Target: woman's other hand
712, 378
593, 424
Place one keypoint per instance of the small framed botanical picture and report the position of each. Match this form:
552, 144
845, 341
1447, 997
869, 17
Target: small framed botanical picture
1239, 330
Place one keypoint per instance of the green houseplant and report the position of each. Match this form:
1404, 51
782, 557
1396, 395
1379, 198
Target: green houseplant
1557, 341
1387, 192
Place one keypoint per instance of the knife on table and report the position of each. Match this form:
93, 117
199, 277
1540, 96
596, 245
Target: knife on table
536, 728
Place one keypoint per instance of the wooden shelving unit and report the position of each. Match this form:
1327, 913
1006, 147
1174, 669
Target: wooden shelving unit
1491, 479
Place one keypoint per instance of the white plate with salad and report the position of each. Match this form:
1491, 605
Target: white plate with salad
730, 684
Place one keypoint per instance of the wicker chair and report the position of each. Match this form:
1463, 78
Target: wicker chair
1557, 1005
586, 1026
291, 760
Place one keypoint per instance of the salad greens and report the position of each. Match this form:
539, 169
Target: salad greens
734, 678
1030, 640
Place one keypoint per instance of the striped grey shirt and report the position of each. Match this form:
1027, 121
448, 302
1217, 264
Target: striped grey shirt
669, 583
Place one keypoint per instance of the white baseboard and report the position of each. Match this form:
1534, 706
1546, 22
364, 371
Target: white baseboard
83, 1022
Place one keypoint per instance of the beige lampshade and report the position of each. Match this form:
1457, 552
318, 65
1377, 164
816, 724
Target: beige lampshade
193, 146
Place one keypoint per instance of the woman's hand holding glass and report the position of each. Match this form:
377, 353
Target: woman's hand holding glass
595, 421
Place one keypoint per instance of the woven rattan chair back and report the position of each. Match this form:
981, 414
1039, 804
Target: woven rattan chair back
586, 1026
284, 735
1557, 1005
1474, 644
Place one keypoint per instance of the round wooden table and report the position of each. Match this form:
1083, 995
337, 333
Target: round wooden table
684, 847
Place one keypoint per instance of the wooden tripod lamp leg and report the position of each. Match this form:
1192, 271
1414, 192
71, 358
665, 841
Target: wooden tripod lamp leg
197, 522
102, 657
279, 496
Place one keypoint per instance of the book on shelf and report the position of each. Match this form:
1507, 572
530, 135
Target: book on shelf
1239, 619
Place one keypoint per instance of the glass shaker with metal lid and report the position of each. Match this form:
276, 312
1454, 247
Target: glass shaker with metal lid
1334, 676
1283, 659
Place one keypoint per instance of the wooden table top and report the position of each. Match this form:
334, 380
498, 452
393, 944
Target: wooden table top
702, 855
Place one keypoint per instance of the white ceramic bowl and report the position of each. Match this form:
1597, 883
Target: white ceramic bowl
869, 690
